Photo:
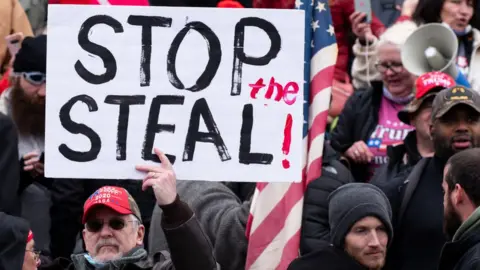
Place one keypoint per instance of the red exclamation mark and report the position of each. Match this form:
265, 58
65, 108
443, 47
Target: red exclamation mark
287, 139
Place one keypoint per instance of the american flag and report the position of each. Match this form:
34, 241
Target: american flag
275, 218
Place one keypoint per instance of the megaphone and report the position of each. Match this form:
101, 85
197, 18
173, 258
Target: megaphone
432, 47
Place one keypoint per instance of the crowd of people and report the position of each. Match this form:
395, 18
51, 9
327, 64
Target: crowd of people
400, 178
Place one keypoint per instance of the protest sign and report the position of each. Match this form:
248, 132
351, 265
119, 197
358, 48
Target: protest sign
218, 90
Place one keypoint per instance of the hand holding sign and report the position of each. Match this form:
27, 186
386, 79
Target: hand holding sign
161, 178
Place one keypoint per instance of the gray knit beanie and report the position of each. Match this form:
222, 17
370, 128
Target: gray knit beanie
352, 202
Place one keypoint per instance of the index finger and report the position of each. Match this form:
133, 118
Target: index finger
163, 158
30, 155
359, 17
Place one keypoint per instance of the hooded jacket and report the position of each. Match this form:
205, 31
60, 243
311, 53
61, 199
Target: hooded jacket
13, 241
463, 253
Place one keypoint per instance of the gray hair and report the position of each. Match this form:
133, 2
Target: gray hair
397, 34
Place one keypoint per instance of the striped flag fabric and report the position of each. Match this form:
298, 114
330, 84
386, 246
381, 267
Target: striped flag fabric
274, 223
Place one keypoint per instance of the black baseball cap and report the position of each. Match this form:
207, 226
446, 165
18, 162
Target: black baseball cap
451, 97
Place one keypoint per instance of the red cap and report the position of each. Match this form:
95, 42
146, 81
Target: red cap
431, 80
229, 4
30, 236
116, 198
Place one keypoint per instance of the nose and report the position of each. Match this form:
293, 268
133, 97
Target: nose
374, 240
389, 72
462, 126
105, 232
41, 91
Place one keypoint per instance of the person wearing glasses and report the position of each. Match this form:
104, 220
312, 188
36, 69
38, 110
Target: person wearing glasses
24, 103
369, 122
113, 230
31, 260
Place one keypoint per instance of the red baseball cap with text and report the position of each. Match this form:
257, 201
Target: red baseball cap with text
426, 86
116, 198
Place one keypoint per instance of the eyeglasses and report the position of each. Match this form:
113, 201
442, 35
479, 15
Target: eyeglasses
395, 67
95, 225
34, 77
36, 254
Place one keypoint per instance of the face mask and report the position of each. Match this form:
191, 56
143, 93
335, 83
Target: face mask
93, 262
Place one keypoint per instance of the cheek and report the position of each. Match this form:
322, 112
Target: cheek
383, 239
446, 15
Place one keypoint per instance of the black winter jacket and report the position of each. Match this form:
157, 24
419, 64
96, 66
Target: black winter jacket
327, 257
357, 121
315, 226
401, 160
463, 253
13, 241
9, 167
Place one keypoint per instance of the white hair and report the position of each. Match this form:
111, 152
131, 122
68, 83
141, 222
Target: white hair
136, 222
397, 34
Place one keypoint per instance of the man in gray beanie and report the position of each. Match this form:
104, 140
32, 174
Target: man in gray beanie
360, 227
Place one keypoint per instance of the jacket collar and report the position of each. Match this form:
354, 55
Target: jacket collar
136, 257
472, 223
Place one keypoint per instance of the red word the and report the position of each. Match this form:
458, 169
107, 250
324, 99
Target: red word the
287, 92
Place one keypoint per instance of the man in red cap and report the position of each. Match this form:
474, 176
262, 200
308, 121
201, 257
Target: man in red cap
113, 231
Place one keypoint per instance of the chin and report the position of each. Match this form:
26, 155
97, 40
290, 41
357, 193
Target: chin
107, 257
374, 264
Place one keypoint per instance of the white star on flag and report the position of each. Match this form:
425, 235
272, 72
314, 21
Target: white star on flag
315, 25
330, 30
298, 3
320, 6
312, 44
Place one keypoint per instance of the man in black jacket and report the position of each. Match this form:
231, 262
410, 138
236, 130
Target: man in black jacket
419, 221
461, 203
418, 143
361, 229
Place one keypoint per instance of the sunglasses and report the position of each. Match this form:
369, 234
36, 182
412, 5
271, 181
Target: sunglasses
96, 225
33, 77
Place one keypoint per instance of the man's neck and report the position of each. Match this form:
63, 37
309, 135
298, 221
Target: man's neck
424, 146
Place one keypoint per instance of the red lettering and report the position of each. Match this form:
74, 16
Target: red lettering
256, 87
290, 93
271, 86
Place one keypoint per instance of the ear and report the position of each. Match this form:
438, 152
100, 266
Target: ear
460, 195
83, 234
140, 234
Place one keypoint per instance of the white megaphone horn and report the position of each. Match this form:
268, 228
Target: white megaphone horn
432, 47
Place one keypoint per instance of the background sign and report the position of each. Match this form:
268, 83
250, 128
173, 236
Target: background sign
218, 90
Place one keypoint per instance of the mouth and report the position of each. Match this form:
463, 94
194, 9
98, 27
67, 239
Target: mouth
394, 82
374, 254
462, 142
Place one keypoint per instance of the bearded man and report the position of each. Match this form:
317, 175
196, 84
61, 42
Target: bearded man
461, 203
24, 102
418, 223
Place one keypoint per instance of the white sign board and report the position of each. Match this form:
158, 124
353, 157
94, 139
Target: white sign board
218, 90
